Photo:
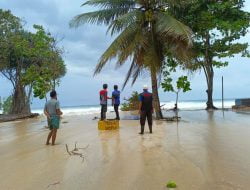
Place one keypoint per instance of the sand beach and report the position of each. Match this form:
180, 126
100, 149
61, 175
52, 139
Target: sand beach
205, 150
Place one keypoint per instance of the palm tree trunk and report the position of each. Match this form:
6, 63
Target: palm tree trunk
156, 100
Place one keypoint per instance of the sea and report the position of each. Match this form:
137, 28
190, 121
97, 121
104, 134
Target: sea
182, 105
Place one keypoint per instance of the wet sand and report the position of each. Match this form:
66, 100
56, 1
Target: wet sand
206, 150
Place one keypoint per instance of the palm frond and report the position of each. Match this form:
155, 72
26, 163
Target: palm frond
124, 21
178, 49
136, 66
122, 47
107, 4
168, 26
105, 16
176, 3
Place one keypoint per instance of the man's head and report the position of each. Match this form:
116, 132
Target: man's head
116, 87
53, 94
105, 86
145, 87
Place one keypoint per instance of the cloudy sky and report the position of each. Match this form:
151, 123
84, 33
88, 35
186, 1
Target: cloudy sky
83, 47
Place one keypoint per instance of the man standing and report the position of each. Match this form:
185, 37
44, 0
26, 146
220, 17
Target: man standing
104, 101
53, 112
146, 109
116, 101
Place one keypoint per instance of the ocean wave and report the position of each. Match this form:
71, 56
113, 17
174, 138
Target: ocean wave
196, 105
183, 105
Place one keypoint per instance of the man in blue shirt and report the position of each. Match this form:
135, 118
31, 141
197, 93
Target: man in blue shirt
146, 109
116, 101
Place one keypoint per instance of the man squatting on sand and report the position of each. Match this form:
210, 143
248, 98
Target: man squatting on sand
104, 101
146, 109
53, 112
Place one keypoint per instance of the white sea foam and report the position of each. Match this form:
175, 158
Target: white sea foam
194, 105
84, 110
182, 105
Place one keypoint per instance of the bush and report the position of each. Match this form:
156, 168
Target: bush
132, 103
171, 184
7, 105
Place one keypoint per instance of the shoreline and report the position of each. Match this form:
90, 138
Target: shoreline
15, 117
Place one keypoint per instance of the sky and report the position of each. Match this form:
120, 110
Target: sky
83, 47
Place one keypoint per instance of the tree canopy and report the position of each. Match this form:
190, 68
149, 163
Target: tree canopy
218, 27
31, 61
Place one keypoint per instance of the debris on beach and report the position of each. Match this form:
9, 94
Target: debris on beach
53, 184
174, 118
95, 118
75, 151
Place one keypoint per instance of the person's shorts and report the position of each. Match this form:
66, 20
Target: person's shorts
54, 122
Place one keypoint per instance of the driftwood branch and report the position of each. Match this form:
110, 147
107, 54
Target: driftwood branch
52, 184
75, 151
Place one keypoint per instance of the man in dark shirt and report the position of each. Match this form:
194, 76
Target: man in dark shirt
116, 101
146, 109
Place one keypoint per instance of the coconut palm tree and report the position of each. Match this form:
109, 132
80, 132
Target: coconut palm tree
145, 32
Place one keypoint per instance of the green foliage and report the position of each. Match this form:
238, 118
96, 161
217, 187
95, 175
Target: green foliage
132, 103
9, 25
171, 184
181, 84
45, 75
167, 85
29, 59
7, 105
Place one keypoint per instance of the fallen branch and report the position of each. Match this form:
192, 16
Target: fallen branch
75, 151
52, 184
67, 149
174, 118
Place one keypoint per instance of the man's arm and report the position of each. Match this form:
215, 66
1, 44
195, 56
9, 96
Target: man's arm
58, 110
140, 103
46, 112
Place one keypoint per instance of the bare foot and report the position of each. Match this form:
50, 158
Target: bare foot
47, 143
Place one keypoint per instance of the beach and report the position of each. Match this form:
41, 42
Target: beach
205, 150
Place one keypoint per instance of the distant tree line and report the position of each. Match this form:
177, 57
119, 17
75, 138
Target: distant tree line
31, 61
